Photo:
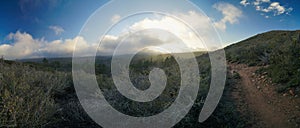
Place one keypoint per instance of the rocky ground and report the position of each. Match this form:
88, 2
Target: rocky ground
256, 94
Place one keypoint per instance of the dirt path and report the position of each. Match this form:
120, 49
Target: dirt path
256, 94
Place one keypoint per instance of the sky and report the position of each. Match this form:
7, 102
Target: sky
52, 28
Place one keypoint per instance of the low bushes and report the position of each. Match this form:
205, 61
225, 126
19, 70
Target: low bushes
26, 95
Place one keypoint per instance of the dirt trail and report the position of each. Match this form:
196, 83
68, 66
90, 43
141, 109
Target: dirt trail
255, 94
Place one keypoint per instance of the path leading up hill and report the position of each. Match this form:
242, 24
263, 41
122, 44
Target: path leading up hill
255, 94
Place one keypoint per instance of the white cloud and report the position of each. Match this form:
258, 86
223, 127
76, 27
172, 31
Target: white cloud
199, 22
158, 38
115, 18
231, 14
66, 47
256, 3
25, 46
57, 29
277, 8
257, 8
244, 3
259, 2
130, 43
266, 1
265, 10
267, 6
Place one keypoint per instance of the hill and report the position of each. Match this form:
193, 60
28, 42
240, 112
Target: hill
251, 50
274, 54
264, 64
279, 50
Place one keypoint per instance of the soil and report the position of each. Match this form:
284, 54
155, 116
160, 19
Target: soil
255, 94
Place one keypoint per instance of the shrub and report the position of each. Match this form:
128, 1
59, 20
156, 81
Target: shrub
26, 95
236, 75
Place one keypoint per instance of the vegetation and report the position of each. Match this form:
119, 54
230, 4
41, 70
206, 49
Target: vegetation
41, 93
285, 65
280, 50
26, 95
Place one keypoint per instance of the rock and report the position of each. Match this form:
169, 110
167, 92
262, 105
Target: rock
253, 74
262, 77
258, 87
232, 71
292, 92
284, 94
296, 96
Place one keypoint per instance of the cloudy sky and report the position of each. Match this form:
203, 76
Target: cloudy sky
50, 28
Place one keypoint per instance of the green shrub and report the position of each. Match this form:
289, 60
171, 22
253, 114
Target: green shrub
236, 75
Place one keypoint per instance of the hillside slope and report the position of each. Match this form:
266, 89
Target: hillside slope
268, 70
280, 50
251, 50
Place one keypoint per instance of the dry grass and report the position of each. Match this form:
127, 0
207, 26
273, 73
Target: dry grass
26, 95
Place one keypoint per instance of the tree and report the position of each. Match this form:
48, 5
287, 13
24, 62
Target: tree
2, 59
45, 61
